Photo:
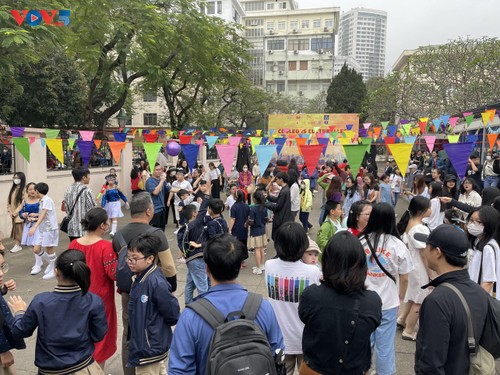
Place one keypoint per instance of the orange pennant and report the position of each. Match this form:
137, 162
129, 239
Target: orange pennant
377, 131
492, 139
301, 141
97, 144
116, 149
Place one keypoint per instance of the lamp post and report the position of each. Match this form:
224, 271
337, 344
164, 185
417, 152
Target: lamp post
122, 119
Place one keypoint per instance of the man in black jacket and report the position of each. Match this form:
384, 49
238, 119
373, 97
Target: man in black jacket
282, 204
442, 337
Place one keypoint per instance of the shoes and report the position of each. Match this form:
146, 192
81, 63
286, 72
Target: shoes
408, 337
111, 234
49, 275
16, 248
252, 251
400, 324
35, 270
256, 271
50, 268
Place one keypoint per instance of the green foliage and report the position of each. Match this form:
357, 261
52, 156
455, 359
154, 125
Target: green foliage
346, 92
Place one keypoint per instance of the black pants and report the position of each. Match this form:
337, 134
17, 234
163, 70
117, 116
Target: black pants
159, 220
216, 188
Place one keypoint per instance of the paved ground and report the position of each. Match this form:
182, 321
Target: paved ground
28, 286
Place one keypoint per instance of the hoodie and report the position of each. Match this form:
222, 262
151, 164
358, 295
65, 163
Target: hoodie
306, 197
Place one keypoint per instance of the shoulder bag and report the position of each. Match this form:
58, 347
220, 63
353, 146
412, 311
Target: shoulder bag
378, 261
65, 221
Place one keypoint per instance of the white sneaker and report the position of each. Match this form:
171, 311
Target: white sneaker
49, 275
35, 270
257, 271
16, 248
50, 268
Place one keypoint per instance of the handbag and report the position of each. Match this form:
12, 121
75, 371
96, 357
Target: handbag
65, 221
378, 261
481, 361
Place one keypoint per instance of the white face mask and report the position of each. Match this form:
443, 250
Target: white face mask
488, 157
475, 229
17, 181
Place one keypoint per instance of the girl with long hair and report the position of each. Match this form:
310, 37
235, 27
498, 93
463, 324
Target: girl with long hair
29, 213
352, 194
216, 179
412, 222
238, 217
371, 188
419, 187
14, 205
389, 263
437, 208
257, 223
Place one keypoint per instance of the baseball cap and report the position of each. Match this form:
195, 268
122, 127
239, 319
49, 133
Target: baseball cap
412, 166
448, 238
330, 164
450, 177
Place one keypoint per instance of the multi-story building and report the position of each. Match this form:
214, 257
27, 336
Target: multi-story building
339, 62
293, 49
362, 36
228, 10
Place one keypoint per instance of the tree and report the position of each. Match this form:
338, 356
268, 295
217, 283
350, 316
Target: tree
346, 92
381, 100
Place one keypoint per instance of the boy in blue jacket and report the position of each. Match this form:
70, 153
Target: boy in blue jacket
152, 308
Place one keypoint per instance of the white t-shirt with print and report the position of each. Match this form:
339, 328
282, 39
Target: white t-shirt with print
186, 185
285, 282
49, 223
396, 259
491, 264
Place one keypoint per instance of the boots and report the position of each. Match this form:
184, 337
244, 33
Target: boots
49, 271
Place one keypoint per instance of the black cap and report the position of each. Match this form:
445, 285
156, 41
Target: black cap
474, 155
203, 182
330, 164
450, 177
448, 238
180, 170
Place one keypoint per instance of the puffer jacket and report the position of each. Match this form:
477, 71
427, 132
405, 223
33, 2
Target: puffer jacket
306, 197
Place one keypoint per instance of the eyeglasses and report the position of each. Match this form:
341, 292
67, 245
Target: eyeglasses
134, 260
4, 267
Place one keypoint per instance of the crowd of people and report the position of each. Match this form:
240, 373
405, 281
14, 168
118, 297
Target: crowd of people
334, 300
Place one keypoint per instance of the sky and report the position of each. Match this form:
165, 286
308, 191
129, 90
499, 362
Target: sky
414, 23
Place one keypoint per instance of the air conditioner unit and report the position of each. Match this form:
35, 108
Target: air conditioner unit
295, 52
281, 72
295, 31
326, 30
321, 51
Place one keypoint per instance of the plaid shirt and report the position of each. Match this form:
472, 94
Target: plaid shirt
85, 202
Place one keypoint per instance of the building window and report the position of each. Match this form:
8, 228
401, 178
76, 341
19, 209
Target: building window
213, 7
329, 22
294, 25
281, 87
325, 43
269, 87
281, 25
276, 45
316, 24
298, 44
292, 87
282, 5
236, 16
270, 26
270, 6
150, 119
249, 33
255, 22
304, 24
149, 97
303, 87
303, 65
292, 65
254, 6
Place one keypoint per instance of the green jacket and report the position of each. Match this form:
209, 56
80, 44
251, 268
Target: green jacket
326, 231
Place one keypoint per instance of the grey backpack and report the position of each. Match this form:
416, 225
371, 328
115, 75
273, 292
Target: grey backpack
238, 346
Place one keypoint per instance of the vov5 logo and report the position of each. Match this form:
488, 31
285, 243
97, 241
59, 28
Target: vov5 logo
35, 17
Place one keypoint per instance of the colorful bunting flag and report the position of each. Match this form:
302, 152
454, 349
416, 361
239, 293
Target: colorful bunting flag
458, 154
85, 148
120, 137
430, 140
226, 155
453, 122
116, 150
234, 141
355, 155
486, 117
492, 138
97, 143
264, 155
55, 146
191, 154
185, 139
152, 149
17, 131
23, 146
280, 142
453, 138
86, 135
401, 153
311, 154
52, 134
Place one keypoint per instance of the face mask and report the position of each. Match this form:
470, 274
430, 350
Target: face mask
488, 157
17, 181
245, 169
475, 229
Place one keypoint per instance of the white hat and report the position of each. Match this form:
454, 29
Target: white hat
413, 166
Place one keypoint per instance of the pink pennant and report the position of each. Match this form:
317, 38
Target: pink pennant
226, 155
465, 114
234, 141
366, 125
430, 140
453, 121
32, 140
86, 135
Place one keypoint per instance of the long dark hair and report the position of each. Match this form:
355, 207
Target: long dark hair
240, 196
344, 263
73, 266
489, 218
349, 192
418, 184
418, 206
354, 212
334, 187
436, 191
472, 182
382, 222
20, 193
134, 173
293, 177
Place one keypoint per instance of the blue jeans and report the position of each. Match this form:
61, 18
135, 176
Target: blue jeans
304, 219
383, 340
322, 215
490, 181
396, 198
196, 278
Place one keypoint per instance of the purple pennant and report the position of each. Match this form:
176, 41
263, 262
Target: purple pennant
324, 142
191, 154
161, 133
349, 126
458, 153
363, 133
403, 121
85, 148
17, 132
120, 137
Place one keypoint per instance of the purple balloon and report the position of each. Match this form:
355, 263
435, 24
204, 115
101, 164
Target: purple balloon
173, 148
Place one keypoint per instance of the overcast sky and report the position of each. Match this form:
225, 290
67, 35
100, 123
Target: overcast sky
414, 23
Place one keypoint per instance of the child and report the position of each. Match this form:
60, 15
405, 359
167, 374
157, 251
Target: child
312, 253
258, 238
231, 198
152, 309
49, 233
111, 202
215, 223
331, 225
70, 320
386, 190
305, 204
29, 213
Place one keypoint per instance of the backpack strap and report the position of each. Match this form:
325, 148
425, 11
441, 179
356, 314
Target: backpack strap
252, 305
207, 311
120, 238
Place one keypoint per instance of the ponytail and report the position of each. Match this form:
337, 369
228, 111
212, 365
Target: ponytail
418, 205
403, 223
72, 265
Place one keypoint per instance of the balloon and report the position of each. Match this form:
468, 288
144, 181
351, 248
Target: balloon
173, 148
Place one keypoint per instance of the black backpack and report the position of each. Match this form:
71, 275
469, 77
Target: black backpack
123, 273
238, 346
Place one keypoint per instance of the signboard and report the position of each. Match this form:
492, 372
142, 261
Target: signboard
313, 123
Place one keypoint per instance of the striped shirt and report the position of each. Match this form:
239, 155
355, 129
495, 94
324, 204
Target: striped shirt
85, 202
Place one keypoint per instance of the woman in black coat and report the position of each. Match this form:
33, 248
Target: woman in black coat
280, 205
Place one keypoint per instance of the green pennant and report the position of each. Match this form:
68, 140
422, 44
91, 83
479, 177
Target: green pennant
71, 143
51, 133
384, 124
469, 119
152, 150
355, 155
406, 129
23, 146
367, 142
333, 136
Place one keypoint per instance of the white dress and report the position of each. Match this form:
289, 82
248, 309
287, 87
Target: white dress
418, 276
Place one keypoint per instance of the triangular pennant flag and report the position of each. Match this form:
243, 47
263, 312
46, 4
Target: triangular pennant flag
355, 155
492, 138
116, 150
152, 150
185, 139
211, 139
367, 142
344, 141
71, 143
458, 154
120, 137
233, 141
191, 154
349, 126
389, 140
453, 138
23, 146
42, 142
384, 124
55, 146
271, 131
324, 142
349, 134
430, 140
311, 155
226, 155
32, 140
453, 122
258, 132
424, 119
280, 142
498, 143
486, 117
472, 138
377, 131
52, 134
300, 141
423, 127
264, 155
410, 139
366, 125
469, 119
86, 135
444, 118
255, 141
17, 132
97, 143
85, 148
391, 130
401, 153
406, 129
150, 138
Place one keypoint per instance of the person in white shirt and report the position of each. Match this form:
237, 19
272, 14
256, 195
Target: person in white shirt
389, 263
293, 183
286, 278
437, 208
181, 184
468, 193
231, 198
